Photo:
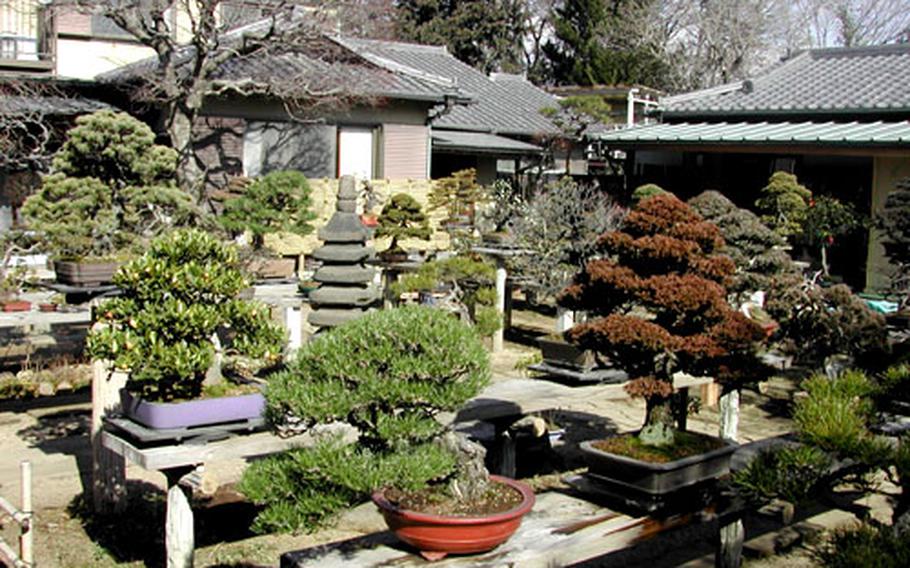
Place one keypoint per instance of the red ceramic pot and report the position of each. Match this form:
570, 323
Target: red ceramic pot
17, 306
436, 536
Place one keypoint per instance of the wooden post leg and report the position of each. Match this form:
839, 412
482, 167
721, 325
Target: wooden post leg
500, 303
179, 534
108, 468
730, 547
729, 415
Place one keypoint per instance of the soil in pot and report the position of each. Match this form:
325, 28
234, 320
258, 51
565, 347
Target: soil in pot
686, 444
499, 498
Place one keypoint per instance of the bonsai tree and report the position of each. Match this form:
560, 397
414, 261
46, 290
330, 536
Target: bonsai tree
459, 195
276, 202
175, 298
757, 251
645, 191
471, 284
110, 188
658, 300
828, 218
894, 223
387, 374
560, 227
784, 203
402, 218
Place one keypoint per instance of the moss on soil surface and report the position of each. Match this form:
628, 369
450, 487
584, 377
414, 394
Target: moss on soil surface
686, 444
434, 500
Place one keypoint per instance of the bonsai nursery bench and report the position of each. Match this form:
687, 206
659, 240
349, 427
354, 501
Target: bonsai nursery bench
560, 530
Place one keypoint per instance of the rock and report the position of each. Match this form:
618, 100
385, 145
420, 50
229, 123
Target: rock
46, 389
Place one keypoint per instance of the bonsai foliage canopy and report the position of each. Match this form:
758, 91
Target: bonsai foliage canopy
658, 298
784, 203
387, 374
894, 223
402, 218
110, 188
174, 299
277, 202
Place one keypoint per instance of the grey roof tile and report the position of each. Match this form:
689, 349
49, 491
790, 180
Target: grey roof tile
504, 104
828, 81
48, 104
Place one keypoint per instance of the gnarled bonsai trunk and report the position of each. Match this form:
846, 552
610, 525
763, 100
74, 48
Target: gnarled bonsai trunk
471, 479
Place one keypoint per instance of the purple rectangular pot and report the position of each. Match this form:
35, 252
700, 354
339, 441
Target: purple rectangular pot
202, 412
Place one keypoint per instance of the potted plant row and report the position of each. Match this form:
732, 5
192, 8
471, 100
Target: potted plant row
110, 190
388, 374
657, 298
175, 299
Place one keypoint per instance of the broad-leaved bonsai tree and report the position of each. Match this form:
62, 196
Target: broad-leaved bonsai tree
658, 305
111, 189
402, 218
387, 374
175, 298
276, 202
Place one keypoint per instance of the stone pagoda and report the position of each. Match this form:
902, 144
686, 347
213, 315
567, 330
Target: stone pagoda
346, 289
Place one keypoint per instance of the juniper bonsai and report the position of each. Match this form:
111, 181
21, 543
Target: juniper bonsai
174, 299
894, 224
658, 300
402, 218
387, 374
110, 188
784, 203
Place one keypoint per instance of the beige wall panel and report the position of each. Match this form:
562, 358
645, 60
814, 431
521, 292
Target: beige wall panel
404, 151
887, 171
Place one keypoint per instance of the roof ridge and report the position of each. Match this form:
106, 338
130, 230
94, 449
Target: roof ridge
394, 66
860, 50
394, 44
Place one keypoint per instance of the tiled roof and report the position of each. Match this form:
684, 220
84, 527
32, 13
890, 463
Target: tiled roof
480, 143
352, 73
504, 104
879, 133
48, 104
831, 81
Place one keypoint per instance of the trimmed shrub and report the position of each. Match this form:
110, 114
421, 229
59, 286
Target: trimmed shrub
174, 299
387, 374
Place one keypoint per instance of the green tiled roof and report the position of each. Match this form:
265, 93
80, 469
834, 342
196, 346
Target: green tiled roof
480, 143
878, 133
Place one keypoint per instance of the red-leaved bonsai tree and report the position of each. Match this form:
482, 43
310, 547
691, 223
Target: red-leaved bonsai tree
657, 304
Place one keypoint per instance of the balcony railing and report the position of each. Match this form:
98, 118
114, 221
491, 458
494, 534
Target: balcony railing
26, 30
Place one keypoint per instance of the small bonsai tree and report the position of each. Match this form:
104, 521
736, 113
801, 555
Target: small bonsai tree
276, 202
894, 224
471, 285
560, 227
828, 218
387, 374
784, 203
459, 194
658, 299
111, 188
175, 298
402, 218
645, 191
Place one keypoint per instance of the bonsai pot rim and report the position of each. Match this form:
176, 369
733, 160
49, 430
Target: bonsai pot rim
527, 502
191, 413
728, 448
436, 536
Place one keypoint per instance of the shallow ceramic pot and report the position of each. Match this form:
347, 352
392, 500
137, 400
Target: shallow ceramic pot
655, 479
564, 354
17, 306
191, 413
436, 536
85, 273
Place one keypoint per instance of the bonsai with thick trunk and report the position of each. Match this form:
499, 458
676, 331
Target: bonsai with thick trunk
388, 375
658, 303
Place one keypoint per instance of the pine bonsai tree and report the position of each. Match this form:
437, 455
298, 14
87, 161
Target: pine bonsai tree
894, 223
111, 188
458, 194
658, 300
784, 202
387, 374
276, 202
174, 299
402, 218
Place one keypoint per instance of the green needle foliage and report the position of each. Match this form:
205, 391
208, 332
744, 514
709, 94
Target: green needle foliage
387, 374
402, 218
175, 298
276, 202
784, 203
111, 188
